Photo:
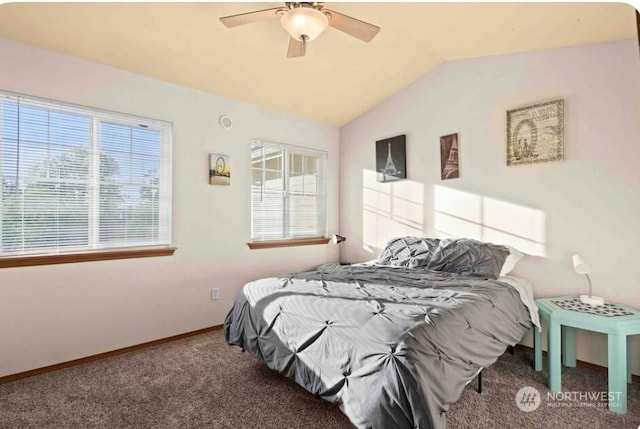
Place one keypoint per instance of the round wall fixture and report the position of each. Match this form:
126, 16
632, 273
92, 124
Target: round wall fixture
225, 122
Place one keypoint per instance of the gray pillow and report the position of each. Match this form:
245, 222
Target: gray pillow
412, 252
469, 257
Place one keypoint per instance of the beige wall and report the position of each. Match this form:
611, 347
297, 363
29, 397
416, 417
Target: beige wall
52, 314
587, 204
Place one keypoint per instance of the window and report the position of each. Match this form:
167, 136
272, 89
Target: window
288, 192
76, 179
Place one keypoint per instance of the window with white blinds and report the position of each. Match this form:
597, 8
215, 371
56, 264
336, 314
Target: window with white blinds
288, 192
78, 179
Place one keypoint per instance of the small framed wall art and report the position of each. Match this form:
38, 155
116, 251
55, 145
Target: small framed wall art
219, 169
391, 159
536, 133
449, 167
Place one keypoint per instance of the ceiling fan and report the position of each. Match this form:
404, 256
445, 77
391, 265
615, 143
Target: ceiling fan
305, 21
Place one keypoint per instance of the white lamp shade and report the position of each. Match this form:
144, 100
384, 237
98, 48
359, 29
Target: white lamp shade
304, 23
580, 266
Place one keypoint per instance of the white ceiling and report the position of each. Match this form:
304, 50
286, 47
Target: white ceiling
340, 77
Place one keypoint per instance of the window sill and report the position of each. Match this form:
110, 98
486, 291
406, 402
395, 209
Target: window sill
91, 256
287, 243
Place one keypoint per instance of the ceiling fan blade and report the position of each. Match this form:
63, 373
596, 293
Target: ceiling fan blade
297, 48
249, 17
353, 27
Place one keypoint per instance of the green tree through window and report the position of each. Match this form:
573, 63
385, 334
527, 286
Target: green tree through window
71, 181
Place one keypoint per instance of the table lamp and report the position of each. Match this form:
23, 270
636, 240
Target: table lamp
581, 267
337, 239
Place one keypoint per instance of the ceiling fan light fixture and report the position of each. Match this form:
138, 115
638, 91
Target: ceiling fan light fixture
304, 23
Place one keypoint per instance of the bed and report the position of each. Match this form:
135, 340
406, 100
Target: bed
394, 342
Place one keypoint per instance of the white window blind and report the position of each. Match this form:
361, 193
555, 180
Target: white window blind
288, 192
79, 179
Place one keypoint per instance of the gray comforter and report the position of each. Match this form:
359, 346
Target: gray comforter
395, 346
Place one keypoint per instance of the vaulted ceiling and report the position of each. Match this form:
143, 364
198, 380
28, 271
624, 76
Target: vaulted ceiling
340, 77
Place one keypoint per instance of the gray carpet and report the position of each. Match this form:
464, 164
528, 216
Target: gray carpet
200, 382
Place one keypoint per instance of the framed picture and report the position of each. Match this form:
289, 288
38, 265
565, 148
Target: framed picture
535, 133
219, 169
391, 159
449, 168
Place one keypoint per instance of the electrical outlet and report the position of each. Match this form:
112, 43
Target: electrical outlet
215, 293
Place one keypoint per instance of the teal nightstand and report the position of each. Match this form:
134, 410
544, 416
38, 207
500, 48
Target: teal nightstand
562, 338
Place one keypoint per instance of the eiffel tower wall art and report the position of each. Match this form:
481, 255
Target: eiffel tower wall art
449, 168
391, 159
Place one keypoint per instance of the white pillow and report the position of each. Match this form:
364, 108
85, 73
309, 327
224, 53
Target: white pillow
511, 261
